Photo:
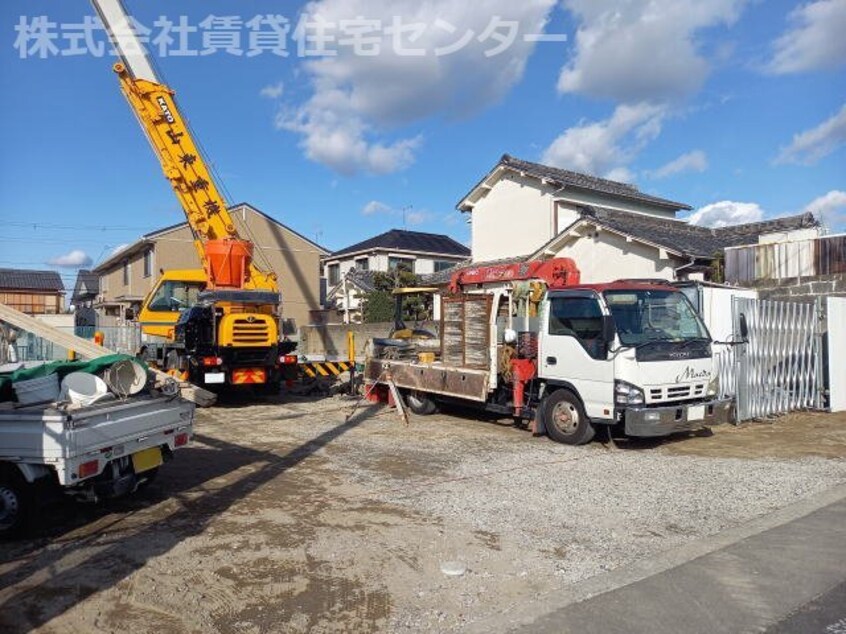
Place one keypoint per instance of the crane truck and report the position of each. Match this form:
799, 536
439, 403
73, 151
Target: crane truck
218, 325
528, 340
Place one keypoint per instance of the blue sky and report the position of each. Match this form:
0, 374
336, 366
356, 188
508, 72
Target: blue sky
737, 107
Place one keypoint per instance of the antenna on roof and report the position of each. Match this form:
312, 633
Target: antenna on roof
404, 209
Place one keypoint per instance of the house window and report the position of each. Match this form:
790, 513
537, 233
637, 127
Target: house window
334, 274
406, 264
148, 263
443, 265
362, 264
126, 272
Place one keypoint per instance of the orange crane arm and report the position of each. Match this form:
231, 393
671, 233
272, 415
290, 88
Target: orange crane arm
182, 162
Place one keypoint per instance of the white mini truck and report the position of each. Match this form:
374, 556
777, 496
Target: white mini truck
100, 451
529, 340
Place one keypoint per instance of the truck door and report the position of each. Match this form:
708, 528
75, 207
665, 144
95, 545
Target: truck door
572, 350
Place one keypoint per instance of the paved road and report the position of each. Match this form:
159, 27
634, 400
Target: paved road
826, 615
783, 573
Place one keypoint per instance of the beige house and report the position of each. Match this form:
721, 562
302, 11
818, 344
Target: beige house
128, 275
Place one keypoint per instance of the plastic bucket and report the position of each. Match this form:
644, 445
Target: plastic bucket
126, 377
43, 389
228, 261
82, 388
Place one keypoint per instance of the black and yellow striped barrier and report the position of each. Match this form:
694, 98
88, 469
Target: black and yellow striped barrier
313, 369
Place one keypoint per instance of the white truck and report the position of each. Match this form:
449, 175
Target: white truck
100, 451
529, 340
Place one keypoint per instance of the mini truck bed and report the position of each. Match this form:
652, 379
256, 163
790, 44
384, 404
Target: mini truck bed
65, 439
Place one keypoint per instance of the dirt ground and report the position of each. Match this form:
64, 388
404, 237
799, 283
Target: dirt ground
292, 516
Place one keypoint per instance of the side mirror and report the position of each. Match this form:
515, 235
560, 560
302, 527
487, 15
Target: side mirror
744, 328
609, 330
129, 314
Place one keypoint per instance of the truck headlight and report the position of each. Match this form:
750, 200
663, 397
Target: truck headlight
627, 394
714, 386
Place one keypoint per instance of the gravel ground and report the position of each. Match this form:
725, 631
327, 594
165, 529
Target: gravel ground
284, 517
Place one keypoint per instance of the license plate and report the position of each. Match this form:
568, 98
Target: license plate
146, 459
696, 412
215, 377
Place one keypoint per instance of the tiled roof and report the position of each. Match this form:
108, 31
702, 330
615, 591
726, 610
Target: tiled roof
27, 280
401, 240
686, 239
87, 283
443, 277
567, 178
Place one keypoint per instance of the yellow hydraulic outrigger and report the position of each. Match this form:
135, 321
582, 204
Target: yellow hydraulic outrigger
218, 324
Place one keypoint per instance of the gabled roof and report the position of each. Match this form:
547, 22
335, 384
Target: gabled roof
569, 179
28, 280
362, 280
149, 238
411, 241
87, 283
680, 237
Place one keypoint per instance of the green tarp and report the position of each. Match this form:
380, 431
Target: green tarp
61, 368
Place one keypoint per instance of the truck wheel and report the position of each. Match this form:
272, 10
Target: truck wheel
420, 403
15, 504
565, 419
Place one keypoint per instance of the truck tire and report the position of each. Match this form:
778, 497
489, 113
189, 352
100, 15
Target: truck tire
420, 403
565, 419
15, 503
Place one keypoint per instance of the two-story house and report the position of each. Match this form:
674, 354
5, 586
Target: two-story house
126, 276
528, 211
349, 271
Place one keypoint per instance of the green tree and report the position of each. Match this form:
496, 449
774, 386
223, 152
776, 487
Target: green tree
379, 304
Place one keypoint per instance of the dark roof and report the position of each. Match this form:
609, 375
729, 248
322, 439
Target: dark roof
27, 280
443, 277
402, 240
567, 178
365, 280
737, 235
87, 283
689, 240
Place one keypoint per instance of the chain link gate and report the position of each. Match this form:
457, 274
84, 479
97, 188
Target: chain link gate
778, 368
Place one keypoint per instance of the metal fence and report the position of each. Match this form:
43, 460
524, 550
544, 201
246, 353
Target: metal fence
778, 368
779, 260
29, 347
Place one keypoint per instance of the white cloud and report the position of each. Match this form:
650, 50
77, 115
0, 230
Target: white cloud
814, 41
810, 146
375, 207
417, 217
726, 213
357, 98
605, 148
641, 49
695, 161
273, 91
118, 249
830, 207
75, 259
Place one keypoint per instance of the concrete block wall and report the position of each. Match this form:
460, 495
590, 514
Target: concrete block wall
802, 288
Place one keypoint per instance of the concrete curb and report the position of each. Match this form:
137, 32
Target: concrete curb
525, 613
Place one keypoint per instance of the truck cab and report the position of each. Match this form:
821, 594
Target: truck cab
633, 354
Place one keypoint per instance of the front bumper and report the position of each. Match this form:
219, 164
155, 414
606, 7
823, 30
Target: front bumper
663, 421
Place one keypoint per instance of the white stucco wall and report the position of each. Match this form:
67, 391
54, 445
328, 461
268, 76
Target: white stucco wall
809, 233
605, 257
520, 213
379, 262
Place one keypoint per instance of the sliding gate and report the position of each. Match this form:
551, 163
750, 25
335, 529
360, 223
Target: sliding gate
779, 367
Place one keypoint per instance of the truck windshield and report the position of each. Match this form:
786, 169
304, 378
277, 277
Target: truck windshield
643, 316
